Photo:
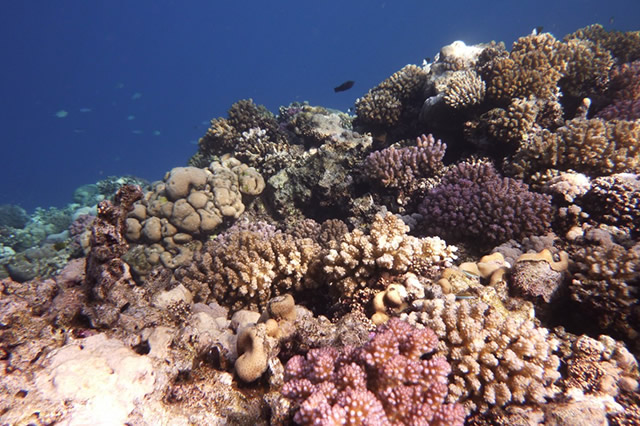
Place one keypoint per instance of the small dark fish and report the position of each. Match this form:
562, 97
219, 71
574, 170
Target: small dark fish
611, 20
428, 59
539, 29
344, 86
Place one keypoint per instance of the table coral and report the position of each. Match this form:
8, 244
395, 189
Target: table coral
474, 203
384, 382
357, 258
496, 359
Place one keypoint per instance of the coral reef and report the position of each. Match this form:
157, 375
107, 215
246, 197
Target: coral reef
404, 168
496, 359
358, 259
324, 241
384, 382
474, 203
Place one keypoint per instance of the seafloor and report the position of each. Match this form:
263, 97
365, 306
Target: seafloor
463, 249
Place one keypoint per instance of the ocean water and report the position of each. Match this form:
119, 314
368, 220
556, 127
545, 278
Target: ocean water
93, 89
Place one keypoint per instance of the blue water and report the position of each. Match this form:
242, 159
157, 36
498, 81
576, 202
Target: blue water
139, 80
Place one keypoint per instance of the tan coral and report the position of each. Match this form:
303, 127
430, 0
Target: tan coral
384, 104
595, 147
359, 257
496, 358
462, 89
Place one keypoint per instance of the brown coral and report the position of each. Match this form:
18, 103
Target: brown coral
595, 147
497, 358
385, 104
534, 67
358, 257
625, 46
245, 267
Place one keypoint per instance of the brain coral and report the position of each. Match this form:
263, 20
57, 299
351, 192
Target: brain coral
496, 359
474, 203
385, 104
357, 257
595, 147
249, 264
385, 382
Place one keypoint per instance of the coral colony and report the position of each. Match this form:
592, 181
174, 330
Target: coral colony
464, 249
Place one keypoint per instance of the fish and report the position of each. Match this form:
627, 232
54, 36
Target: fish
136, 95
344, 86
61, 114
85, 109
538, 30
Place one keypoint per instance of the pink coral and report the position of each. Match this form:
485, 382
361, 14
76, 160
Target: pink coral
384, 382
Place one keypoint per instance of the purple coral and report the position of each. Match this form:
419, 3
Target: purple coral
403, 167
474, 203
384, 382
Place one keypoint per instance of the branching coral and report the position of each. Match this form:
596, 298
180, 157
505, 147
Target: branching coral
595, 147
496, 358
403, 168
533, 67
357, 258
385, 104
246, 266
606, 276
624, 46
615, 200
474, 203
385, 382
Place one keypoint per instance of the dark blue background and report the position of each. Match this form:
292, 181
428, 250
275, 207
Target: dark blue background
190, 60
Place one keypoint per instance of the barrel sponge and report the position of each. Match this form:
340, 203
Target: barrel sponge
358, 257
383, 105
594, 146
496, 358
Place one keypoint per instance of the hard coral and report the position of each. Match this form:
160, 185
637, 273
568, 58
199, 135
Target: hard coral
358, 258
385, 105
474, 203
595, 147
606, 276
403, 168
384, 382
533, 67
625, 46
496, 358
246, 266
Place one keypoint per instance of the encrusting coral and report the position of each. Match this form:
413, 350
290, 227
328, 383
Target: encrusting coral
384, 382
